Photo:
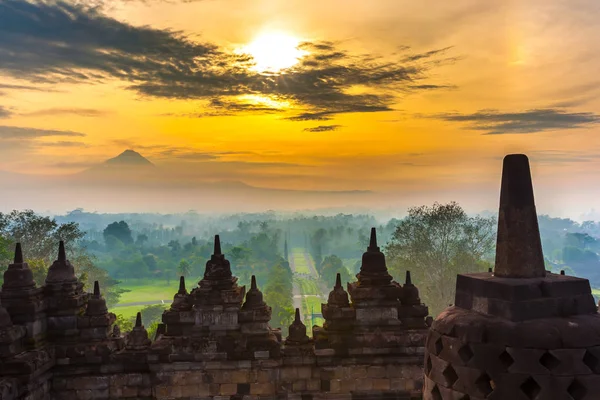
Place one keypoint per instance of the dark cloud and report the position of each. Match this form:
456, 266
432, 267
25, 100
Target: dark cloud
218, 107
431, 87
18, 133
4, 112
323, 128
81, 112
329, 114
554, 157
53, 41
426, 55
62, 143
25, 87
58, 41
494, 122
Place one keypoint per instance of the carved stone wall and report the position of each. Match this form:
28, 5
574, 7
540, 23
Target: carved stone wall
243, 380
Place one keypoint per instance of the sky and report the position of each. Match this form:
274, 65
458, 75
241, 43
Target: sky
409, 99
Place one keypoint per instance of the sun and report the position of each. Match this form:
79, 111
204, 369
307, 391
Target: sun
274, 51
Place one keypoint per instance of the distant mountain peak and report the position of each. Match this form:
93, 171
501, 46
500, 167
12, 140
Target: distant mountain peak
129, 157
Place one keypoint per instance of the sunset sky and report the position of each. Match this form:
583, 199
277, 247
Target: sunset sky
384, 95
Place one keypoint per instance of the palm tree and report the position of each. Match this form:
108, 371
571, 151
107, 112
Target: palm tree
184, 268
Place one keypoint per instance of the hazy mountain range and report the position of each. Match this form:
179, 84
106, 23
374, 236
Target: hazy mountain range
130, 182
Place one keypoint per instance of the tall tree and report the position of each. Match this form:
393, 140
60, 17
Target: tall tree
141, 239
119, 230
436, 243
184, 268
331, 266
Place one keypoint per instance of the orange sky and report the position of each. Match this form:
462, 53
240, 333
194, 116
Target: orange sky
514, 76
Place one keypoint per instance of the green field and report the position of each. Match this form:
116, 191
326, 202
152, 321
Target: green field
308, 286
149, 291
299, 261
312, 304
126, 312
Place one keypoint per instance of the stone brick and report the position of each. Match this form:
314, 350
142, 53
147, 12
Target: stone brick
364, 384
299, 385
162, 391
85, 394
400, 384
288, 373
313, 385
356, 372
304, 372
335, 385
376, 372
129, 391
115, 392
187, 390
228, 389
348, 385
240, 376
262, 389
203, 389
264, 376
90, 382
381, 384
134, 379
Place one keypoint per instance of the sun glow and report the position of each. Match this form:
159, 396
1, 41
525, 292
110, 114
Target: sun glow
274, 51
264, 101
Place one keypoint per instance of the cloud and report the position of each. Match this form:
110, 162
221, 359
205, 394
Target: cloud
73, 165
55, 41
25, 87
18, 133
4, 112
81, 112
554, 157
62, 143
18, 143
218, 107
323, 128
494, 122
329, 114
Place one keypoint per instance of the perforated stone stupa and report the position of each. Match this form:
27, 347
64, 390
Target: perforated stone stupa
519, 331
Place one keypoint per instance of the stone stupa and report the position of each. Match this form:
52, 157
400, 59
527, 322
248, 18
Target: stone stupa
519, 331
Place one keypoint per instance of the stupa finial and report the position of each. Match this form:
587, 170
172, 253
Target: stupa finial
62, 255
217, 250
18, 254
519, 247
373, 241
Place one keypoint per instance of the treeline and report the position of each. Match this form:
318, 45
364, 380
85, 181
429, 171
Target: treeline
279, 296
344, 239
330, 267
434, 242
